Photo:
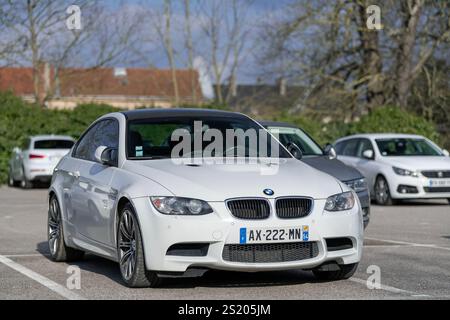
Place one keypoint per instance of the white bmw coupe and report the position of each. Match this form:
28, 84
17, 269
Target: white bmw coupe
125, 192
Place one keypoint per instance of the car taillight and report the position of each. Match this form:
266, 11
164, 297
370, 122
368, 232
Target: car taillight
36, 156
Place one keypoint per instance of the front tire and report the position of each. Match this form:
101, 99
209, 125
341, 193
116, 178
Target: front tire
346, 271
59, 252
382, 192
131, 253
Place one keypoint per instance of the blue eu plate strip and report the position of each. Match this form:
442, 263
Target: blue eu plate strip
243, 236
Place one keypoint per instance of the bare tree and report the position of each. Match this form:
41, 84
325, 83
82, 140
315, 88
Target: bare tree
162, 23
331, 51
190, 46
224, 27
409, 65
39, 26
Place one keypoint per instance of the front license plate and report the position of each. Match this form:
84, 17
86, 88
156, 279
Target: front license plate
439, 183
250, 235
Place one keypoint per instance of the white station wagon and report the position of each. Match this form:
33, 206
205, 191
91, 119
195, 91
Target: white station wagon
398, 166
121, 194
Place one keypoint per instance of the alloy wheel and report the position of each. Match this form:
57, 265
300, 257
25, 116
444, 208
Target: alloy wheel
382, 191
54, 226
127, 244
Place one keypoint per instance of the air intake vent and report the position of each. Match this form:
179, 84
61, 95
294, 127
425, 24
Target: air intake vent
292, 208
252, 209
267, 253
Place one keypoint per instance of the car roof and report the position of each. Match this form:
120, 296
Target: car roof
178, 112
51, 137
380, 136
277, 124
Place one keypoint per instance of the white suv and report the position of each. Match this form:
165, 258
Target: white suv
398, 166
36, 159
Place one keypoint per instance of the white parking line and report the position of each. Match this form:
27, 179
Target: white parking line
390, 289
26, 255
412, 244
55, 287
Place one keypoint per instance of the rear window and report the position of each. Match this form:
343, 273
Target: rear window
53, 144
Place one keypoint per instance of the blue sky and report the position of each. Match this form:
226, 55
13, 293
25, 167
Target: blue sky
248, 71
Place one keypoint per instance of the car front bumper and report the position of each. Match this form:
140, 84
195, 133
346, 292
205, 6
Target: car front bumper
160, 232
419, 188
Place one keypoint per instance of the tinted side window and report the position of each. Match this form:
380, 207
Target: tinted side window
84, 146
364, 145
340, 147
350, 148
107, 134
104, 133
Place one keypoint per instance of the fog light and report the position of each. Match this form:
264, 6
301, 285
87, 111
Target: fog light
407, 189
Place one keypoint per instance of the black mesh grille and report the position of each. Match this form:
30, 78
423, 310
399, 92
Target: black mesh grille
253, 209
267, 253
436, 174
290, 208
437, 189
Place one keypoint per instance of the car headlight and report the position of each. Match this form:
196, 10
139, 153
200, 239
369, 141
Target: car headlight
340, 202
357, 185
405, 172
181, 206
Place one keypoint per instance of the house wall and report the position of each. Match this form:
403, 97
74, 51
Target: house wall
69, 103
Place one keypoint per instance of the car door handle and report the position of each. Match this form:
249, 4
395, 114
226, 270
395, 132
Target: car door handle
75, 174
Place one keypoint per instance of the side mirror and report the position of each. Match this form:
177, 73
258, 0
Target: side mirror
368, 154
330, 151
16, 150
446, 153
295, 150
106, 156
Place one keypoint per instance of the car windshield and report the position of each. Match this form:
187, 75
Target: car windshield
53, 144
406, 147
196, 137
294, 135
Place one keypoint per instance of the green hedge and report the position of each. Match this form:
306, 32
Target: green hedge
394, 120
19, 119
383, 119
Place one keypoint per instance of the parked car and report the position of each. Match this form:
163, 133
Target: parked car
124, 194
398, 166
36, 159
310, 152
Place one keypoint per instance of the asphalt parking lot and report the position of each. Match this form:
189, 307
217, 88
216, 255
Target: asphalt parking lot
409, 243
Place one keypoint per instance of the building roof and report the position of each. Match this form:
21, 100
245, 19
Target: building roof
106, 82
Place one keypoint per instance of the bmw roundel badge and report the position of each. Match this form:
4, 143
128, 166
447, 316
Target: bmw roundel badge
269, 192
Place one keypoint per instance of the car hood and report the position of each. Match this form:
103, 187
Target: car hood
333, 167
419, 163
218, 182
